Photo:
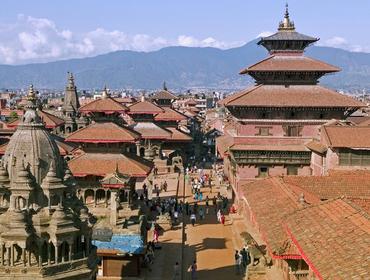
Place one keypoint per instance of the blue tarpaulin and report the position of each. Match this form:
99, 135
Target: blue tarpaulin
132, 244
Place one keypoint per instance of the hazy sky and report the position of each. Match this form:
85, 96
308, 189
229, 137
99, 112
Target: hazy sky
46, 30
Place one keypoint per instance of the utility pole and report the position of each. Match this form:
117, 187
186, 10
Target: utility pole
183, 234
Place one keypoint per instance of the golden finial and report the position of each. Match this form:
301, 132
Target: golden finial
286, 24
31, 94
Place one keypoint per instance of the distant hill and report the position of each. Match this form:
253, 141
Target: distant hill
180, 67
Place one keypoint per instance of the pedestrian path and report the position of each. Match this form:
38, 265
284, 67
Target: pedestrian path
210, 244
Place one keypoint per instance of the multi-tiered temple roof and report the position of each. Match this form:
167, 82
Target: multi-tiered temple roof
287, 78
107, 132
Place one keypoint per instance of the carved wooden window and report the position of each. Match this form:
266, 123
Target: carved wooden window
263, 172
292, 170
349, 157
263, 131
292, 130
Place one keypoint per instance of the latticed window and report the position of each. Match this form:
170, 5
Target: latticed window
263, 131
263, 172
292, 170
349, 157
292, 131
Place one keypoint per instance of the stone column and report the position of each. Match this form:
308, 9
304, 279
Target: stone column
49, 254
70, 252
9, 255
24, 256
137, 148
40, 256
12, 255
56, 253
63, 251
113, 207
94, 198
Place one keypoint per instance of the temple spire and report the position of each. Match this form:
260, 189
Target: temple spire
71, 103
105, 93
164, 86
71, 81
286, 24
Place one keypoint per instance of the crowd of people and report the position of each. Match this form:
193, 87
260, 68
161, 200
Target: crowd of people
204, 203
242, 259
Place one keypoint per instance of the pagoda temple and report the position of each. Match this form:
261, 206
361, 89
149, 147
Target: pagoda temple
269, 123
45, 231
158, 124
109, 147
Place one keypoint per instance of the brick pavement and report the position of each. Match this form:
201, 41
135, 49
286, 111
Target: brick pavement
211, 244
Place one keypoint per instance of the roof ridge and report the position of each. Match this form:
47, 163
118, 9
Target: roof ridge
339, 69
245, 70
78, 130
277, 181
248, 90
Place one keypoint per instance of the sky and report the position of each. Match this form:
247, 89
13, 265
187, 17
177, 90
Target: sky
49, 30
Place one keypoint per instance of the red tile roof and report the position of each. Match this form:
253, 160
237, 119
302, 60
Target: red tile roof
50, 120
223, 143
125, 100
7, 112
333, 238
178, 135
164, 94
291, 96
316, 146
144, 107
65, 148
269, 202
347, 136
290, 63
3, 148
287, 147
101, 164
352, 184
169, 114
105, 132
104, 105
149, 130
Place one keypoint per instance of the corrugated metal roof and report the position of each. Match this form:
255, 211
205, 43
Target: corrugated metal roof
131, 244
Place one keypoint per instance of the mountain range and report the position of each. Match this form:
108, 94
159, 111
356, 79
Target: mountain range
180, 67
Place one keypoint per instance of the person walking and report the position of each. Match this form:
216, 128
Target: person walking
223, 219
244, 255
194, 269
175, 216
238, 262
176, 271
193, 218
155, 234
201, 213
219, 216
187, 208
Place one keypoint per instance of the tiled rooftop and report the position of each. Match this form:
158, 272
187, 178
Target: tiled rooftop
334, 238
